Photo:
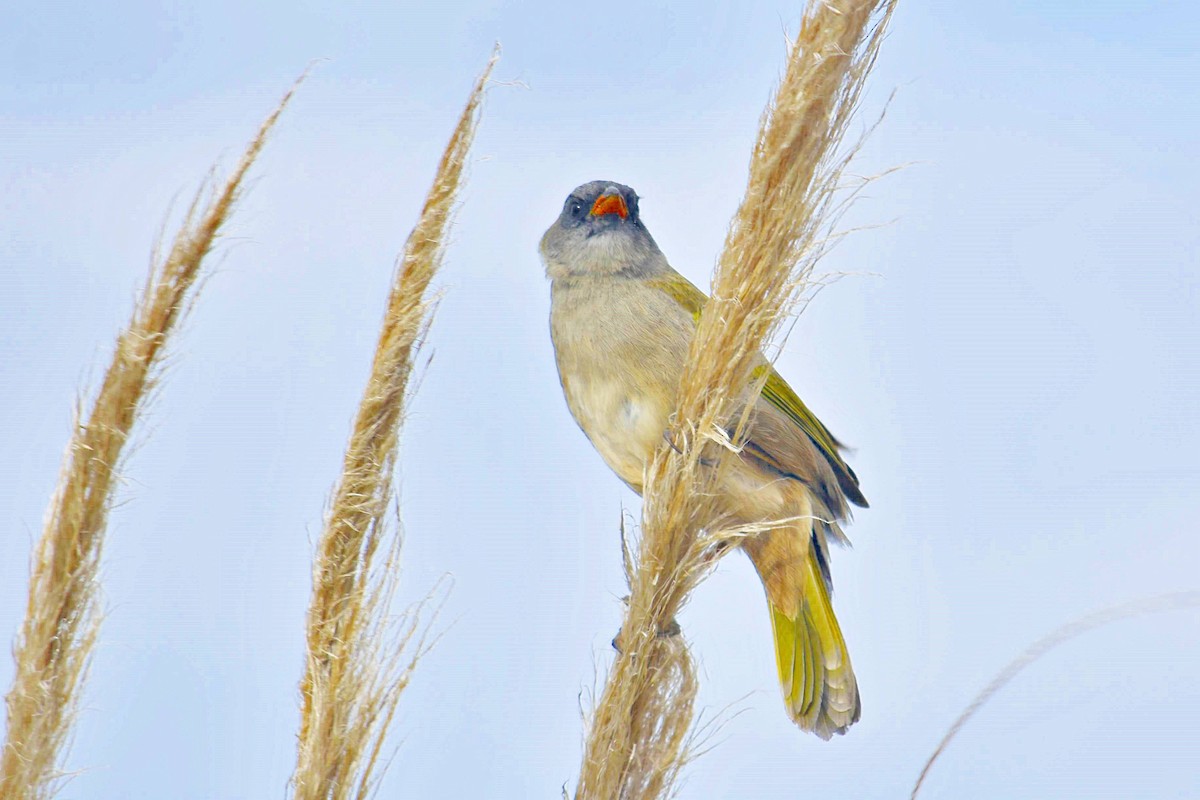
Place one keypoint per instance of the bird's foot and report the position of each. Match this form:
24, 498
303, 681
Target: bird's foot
713, 554
671, 630
704, 462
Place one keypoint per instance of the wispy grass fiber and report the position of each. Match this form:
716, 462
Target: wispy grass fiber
360, 660
62, 617
639, 734
1174, 601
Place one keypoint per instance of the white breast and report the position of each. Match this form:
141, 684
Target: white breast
623, 426
618, 372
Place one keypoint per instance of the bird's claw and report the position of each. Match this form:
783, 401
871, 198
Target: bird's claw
671, 630
704, 462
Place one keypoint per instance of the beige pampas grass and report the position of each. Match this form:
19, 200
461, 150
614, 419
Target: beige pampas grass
62, 619
357, 664
637, 743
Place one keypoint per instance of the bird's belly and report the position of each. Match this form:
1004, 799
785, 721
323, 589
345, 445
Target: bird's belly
624, 425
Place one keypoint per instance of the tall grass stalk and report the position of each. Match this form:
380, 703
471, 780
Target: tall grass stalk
640, 728
359, 659
62, 617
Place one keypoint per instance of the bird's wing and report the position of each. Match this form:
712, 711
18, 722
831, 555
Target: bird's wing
782, 400
781, 396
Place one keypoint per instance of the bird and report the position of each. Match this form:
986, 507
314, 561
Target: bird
621, 322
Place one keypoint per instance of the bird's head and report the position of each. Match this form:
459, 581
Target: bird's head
600, 232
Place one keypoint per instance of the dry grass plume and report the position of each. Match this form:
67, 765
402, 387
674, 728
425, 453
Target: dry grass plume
639, 733
62, 618
358, 663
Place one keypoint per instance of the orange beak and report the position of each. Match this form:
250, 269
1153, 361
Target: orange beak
610, 204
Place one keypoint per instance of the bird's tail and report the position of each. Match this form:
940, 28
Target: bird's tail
819, 688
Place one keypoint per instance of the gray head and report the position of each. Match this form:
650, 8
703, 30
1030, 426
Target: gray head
600, 232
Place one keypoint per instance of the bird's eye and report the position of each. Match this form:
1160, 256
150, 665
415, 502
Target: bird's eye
576, 209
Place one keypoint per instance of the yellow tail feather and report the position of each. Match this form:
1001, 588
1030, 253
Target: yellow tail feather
819, 688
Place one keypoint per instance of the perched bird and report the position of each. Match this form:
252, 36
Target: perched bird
622, 319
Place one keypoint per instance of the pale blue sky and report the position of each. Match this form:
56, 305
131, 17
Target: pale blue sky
1017, 362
